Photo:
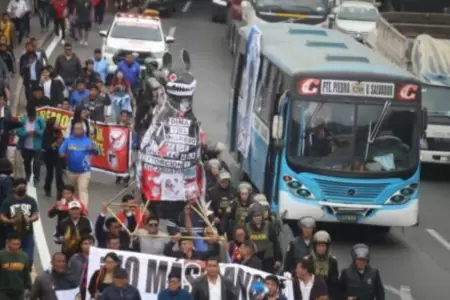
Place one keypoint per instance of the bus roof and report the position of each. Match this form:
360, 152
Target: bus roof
299, 48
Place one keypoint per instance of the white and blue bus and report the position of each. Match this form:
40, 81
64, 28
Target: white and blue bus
325, 126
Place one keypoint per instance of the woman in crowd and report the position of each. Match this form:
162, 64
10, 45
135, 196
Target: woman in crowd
80, 115
53, 138
61, 207
103, 277
240, 235
52, 88
78, 264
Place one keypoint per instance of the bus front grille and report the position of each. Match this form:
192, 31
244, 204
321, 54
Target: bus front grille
335, 191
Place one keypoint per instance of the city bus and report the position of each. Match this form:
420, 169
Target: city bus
326, 127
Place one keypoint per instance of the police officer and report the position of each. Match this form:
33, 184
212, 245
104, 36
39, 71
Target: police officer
300, 246
238, 210
261, 233
325, 265
360, 281
221, 196
212, 172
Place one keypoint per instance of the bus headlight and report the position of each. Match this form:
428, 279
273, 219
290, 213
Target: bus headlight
297, 188
403, 195
423, 144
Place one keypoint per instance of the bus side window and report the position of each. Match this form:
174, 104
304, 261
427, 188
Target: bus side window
262, 90
270, 95
241, 87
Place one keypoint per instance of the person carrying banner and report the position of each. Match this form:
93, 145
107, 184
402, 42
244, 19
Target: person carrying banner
152, 244
262, 233
103, 277
274, 287
105, 227
15, 280
221, 196
212, 285
325, 265
175, 290
48, 284
120, 289
301, 245
60, 209
187, 251
78, 263
248, 257
37, 98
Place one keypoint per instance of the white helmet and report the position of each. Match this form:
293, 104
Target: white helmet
321, 237
260, 198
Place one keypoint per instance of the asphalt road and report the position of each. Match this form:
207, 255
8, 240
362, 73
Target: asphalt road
413, 257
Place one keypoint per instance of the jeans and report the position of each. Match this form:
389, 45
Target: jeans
54, 166
44, 16
81, 183
32, 156
99, 13
60, 26
19, 27
28, 248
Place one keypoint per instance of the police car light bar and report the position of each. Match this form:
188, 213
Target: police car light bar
145, 15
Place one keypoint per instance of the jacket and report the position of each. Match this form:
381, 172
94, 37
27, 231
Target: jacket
131, 72
181, 294
97, 107
68, 68
101, 66
56, 94
200, 289
47, 283
63, 213
26, 68
14, 272
318, 289
39, 128
84, 227
127, 293
8, 32
362, 286
39, 102
77, 97
152, 245
254, 262
6, 126
102, 235
9, 60
78, 151
6, 187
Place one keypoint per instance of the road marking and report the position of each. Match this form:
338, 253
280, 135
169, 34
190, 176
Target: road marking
40, 239
404, 293
438, 238
172, 31
186, 7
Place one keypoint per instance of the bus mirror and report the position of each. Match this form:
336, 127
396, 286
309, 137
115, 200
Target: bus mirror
424, 119
277, 127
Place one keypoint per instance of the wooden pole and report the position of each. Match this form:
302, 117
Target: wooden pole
123, 191
181, 238
120, 222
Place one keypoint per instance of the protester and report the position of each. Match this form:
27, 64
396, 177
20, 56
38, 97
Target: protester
53, 138
187, 250
300, 247
7, 125
30, 142
30, 69
192, 212
152, 244
96, 104
131, 70
52, 88
105, 227
103, 278
59, 18
113, 243
70, 230
175, 290
68, 66
43, 11
101, 65
213, 285
8, 31
18, 212
120, 289
77, 149
6, 191
305, 285
8, 58
78, 263
233, 247
274, 287
18, 10
248, 257
83, 13
41, 55
79, 94
99, 10
15, 280
60, 209
38, 99
50, 284
89, 74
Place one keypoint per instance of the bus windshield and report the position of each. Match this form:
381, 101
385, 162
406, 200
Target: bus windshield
354, 137
436, 100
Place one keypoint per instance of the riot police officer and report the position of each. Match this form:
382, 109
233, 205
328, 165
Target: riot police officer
262, 234
360, 281
238, 210
212, 172
261, 199
325, 265
300, 246
221, 196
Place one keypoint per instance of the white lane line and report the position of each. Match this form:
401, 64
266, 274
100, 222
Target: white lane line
40, 239
404, 293
186, 7
438, 238
172, 31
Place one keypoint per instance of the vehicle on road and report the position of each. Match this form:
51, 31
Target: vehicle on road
355, 18
327, 127
243, 13
219, 9
136, 33
420, 43
165, 7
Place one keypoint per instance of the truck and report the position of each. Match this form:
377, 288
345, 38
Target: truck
420, 44
325, 127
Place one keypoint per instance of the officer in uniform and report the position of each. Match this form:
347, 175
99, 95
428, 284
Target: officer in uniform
325, 265
360, 281
238, 210
261, 199
300, 246
262, 234
212, 172
221, 196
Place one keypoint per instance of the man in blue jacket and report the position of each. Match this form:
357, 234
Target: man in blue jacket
101, 65
131, 70
120, 289
77, 150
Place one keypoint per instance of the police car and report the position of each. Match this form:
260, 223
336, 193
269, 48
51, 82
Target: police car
137, 33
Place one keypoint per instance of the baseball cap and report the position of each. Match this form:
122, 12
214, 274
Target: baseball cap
74, 204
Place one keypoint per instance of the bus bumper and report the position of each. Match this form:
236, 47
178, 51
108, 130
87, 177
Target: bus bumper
435, 157
404, 215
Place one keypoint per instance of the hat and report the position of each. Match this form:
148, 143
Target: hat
224, 175
74, 204
120, 273
175, 273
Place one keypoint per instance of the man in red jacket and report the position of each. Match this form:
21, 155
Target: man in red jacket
59, 18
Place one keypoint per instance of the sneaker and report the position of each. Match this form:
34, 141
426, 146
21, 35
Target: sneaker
85, 43
81, 42
63, 42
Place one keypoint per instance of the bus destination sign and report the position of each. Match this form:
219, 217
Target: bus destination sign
357, 89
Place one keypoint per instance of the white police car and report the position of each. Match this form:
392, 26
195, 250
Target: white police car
141, 34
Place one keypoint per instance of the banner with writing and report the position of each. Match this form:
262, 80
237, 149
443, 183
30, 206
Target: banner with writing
113, 141
148, 273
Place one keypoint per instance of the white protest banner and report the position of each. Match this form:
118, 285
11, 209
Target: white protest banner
149, 273
67, 294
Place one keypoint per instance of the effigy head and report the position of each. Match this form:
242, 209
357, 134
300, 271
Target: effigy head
180, 84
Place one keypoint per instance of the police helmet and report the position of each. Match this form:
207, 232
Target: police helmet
360, 251
307, 222
245, 186
214, 163
321, 237
264, 204
224, 175
258, 198
151, 64
256, 209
